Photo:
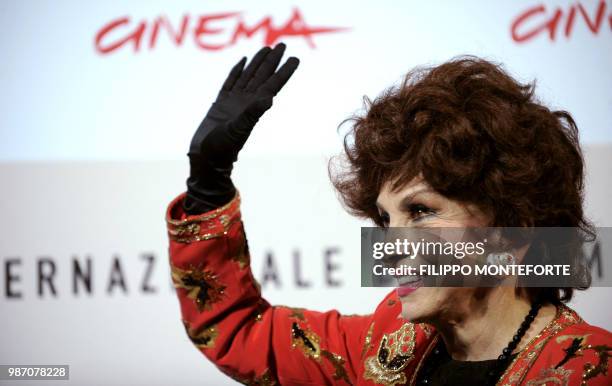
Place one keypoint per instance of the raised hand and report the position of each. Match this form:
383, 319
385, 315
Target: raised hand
245, 96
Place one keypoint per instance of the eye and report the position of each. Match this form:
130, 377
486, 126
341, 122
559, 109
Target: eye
419, 211
384, 219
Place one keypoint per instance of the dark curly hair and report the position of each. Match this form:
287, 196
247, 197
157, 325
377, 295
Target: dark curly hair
476, 135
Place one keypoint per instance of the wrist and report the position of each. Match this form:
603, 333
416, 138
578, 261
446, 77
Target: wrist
205, 193
209, 186
193, 205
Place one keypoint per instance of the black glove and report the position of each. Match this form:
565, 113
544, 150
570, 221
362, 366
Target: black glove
243, 99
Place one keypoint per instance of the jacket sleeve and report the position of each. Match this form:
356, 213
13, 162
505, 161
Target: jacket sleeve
227, 319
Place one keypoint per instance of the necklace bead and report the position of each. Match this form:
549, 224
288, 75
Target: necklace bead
436, 359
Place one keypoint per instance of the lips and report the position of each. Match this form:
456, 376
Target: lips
408, 286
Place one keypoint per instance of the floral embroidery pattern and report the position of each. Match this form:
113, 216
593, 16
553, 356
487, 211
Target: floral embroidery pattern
551, 376
204, 338
306, 341
201, 286
338, 362
395, 351
604, 353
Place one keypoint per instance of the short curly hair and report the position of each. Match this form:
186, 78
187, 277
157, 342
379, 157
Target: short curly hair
476, 135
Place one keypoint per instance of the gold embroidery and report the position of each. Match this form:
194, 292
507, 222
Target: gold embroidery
395, 351
551, 376
367, 340
571, 316
224, 219
266, 379
296, 313
563, 338
338, 362
307, 341
188, 229
202, 237
573, 350
427, 329
202, 339
242, 256
214, 224
233, 206
519, 366
591, 371
201, 286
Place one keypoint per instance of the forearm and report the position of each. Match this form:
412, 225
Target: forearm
210, 269
227, 319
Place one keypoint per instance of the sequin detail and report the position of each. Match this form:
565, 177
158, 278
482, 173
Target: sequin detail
395, 351
590, 370
260, 308
202, 286
368, 340
306, 341
518, 368
338, 363
203, 227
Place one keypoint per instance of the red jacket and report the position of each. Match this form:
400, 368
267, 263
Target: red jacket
225, 317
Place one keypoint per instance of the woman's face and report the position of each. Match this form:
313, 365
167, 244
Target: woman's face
418, 205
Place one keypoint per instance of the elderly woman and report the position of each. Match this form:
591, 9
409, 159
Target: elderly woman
459, 145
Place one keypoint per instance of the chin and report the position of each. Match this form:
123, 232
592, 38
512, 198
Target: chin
417, 307
430, 304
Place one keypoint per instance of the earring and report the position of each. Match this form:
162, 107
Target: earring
502, 258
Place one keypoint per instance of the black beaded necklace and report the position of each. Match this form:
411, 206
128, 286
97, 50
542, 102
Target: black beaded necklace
439, 354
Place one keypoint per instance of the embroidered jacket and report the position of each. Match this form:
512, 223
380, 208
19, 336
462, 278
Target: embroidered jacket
225, 317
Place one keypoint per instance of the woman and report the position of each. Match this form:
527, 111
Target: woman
461, 144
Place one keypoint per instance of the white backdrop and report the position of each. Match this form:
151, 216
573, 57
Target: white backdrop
93, 149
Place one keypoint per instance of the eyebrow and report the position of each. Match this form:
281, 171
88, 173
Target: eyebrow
407, 198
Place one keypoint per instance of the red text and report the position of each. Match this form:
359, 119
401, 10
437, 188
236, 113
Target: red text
208, 32
538, 20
